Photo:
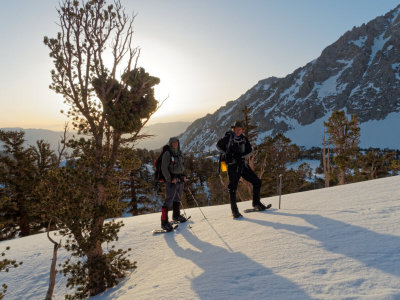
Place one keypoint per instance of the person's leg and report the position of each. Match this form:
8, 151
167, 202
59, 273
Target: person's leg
249, 175
234, 176
170, 191
176, 215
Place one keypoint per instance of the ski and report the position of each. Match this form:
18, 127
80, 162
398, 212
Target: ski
158, 231
249, 210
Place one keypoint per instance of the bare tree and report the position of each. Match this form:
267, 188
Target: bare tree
53, 271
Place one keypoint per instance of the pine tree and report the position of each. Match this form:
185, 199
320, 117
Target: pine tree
21, 169
344, 135
249, 130
111, 111
274, 156
17, 182
376, 164
136, 182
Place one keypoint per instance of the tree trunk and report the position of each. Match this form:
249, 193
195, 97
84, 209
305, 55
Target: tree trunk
341, 176
325, 162
373, 173
53, 271
96, 264
134, 204
23, 220
96, 268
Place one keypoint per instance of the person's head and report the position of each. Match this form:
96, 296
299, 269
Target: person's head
237, 128
174, 143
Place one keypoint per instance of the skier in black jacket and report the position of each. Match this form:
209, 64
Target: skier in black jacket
236, 147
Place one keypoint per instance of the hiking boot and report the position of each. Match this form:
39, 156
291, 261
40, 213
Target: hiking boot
236, 214
259, 206
176, 214
167, 226
164, 219
179, 219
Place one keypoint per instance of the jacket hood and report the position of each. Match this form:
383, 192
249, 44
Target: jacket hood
174, 139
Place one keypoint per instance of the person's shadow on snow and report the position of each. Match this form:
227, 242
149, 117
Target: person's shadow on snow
231, 275
376, 250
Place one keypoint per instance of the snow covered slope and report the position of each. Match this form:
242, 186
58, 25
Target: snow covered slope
335, 243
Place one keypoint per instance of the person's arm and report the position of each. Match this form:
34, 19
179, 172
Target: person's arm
223, 143
166, 159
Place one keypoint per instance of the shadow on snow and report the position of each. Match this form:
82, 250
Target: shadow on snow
232, 275
374, 249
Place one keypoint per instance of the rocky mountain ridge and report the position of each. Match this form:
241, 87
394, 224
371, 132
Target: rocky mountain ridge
359, 73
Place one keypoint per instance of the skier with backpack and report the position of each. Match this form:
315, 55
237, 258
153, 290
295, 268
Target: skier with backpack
170, 169
235, 147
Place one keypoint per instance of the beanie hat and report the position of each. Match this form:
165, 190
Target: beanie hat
237, 124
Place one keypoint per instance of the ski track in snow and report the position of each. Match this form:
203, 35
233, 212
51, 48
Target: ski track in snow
334, 243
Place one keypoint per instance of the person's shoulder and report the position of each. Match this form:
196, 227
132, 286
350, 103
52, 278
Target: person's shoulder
166, 150
229, 133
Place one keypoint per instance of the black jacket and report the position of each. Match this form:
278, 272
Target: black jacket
235, 149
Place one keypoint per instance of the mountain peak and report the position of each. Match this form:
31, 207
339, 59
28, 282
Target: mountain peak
359, 73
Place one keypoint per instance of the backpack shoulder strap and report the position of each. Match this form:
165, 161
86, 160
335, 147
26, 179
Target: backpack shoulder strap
230, 141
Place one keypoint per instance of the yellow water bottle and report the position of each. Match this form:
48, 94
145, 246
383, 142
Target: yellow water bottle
223, 166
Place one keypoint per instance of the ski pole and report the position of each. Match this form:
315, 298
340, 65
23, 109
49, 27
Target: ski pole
196, 203
280, 189
183, 208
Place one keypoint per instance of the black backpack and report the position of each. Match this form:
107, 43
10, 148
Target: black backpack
158, 175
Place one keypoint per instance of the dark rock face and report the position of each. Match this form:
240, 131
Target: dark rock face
360, 73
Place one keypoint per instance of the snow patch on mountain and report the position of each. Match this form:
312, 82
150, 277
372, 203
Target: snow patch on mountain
224, 113
331, 86
379, 43
360, 42
289, 94
374, 133
396, 67
381, 133
396, 13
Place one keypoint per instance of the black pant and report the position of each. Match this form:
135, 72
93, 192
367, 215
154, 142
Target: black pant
243, 170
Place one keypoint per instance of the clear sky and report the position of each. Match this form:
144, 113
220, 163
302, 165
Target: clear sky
206, 52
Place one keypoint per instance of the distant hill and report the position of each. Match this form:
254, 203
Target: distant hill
161, 131
33, 135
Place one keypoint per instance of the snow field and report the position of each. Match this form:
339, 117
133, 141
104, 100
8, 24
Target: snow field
335, 243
